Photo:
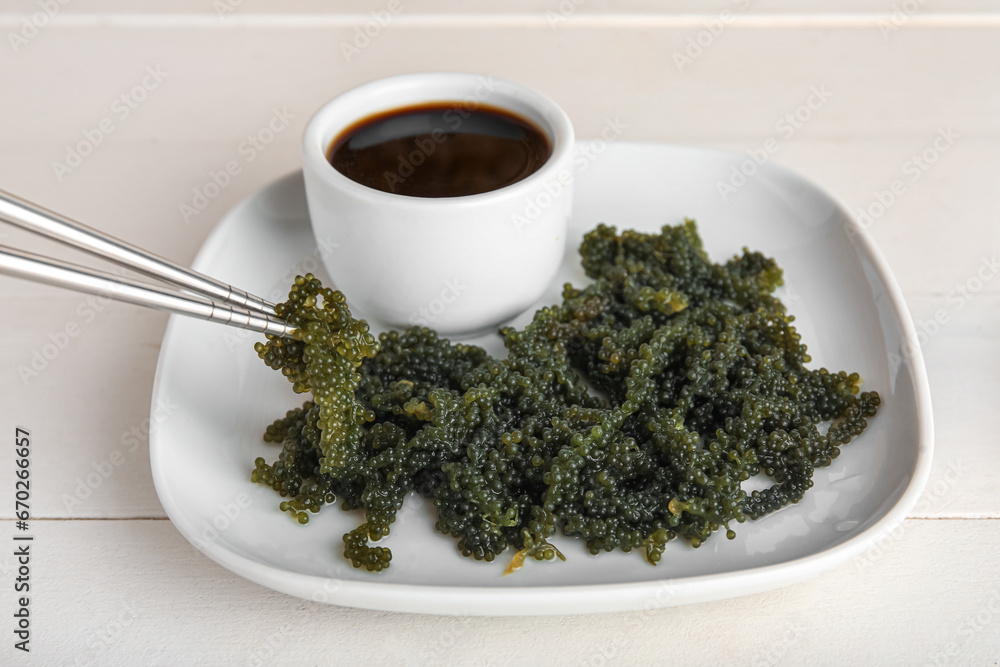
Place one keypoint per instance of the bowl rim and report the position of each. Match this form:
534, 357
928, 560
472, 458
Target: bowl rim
544, 112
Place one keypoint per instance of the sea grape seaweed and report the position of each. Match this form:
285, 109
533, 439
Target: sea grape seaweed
628, 415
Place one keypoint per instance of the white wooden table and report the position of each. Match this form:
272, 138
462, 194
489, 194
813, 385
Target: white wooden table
167, 93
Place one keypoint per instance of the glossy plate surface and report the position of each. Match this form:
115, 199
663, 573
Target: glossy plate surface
849, 311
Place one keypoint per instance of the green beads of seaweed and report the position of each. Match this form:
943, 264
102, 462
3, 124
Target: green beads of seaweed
629, 415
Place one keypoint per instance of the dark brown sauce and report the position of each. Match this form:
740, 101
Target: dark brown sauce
441, 149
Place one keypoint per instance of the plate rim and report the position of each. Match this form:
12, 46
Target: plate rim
622, 596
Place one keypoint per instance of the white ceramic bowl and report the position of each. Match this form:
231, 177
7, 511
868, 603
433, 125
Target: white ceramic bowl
457, 264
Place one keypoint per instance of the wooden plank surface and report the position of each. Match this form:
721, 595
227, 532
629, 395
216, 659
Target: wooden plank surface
608, 10
135, 592
104, 551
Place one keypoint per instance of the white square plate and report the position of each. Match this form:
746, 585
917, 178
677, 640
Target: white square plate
848, 308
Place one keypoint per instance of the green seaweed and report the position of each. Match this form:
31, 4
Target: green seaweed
628, 415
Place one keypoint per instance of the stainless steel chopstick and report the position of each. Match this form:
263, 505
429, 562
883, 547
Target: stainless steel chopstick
61, 274
34, 218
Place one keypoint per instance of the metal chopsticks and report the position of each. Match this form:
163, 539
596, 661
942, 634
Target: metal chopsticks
34, 218
211, 300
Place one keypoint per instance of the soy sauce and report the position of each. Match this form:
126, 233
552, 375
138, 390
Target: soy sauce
442, 149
